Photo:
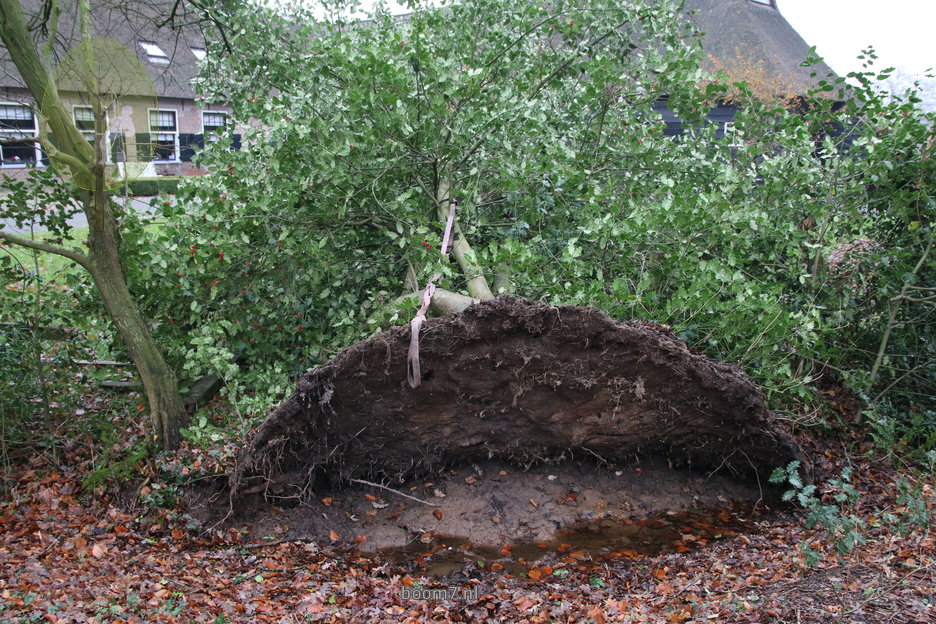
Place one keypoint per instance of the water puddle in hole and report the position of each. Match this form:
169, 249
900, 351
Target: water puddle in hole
602, 538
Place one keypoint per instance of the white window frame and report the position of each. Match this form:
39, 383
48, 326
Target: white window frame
155, 133
730, 131
85, 133
212, 137
154, 53
7, 133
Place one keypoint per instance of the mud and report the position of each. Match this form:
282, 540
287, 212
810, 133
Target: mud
488, 512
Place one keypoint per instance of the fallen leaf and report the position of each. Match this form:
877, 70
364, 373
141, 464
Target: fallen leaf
370, 497
534, 503
333, 535
99, 550
597, 616
438, 514
659, 574
470, 480
360, 539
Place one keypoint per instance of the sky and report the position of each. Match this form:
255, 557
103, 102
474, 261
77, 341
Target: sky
903, 32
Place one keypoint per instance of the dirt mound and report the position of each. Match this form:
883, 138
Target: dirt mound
515, 380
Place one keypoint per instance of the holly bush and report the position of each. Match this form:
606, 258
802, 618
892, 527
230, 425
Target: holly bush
798, 245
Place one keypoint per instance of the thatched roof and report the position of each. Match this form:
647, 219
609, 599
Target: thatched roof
752, 41
128, 23
747, 39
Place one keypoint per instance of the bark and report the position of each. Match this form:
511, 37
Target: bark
87, 167
477, 284
167, 411
502, 283
515, 380
443, 301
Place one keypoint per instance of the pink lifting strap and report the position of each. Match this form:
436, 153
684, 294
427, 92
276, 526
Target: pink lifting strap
413, 373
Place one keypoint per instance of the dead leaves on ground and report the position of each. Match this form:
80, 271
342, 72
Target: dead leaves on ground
67, 557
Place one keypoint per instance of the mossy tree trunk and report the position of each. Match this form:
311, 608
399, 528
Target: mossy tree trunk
85, 163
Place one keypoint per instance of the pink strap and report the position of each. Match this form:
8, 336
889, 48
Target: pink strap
413, 373
447, 239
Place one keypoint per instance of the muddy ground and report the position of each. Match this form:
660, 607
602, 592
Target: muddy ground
496, 511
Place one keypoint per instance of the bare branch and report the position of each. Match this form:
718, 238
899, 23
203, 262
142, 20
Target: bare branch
71, 254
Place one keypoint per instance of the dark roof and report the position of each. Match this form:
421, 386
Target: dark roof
744, 35
127, 23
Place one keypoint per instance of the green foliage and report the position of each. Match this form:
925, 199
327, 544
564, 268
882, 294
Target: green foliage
41, 201
117, 471
147, 187
37, 379
829, 511
286, 252
796, 245
160, 495
201, 433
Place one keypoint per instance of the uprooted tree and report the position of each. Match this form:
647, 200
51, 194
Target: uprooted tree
543, 121
330, 217
518, 380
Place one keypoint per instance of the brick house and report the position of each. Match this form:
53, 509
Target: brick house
157, 125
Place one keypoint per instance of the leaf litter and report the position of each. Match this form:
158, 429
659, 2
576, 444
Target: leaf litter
67, 555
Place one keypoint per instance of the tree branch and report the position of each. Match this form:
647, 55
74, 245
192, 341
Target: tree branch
892, 317
71, 254
476, 282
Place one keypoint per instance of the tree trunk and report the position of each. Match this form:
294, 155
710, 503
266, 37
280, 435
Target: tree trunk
167, 410
477, 284
87, 167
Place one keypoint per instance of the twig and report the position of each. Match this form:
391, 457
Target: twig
886, 589
389, 489
670, 597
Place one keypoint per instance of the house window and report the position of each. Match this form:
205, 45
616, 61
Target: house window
154, 53
164, 133
734, 137
199, 53
17, 122
213, 123
84, 121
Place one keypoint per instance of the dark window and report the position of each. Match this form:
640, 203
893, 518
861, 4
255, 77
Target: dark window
84, 121
17, 121
213, 123
164, 134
